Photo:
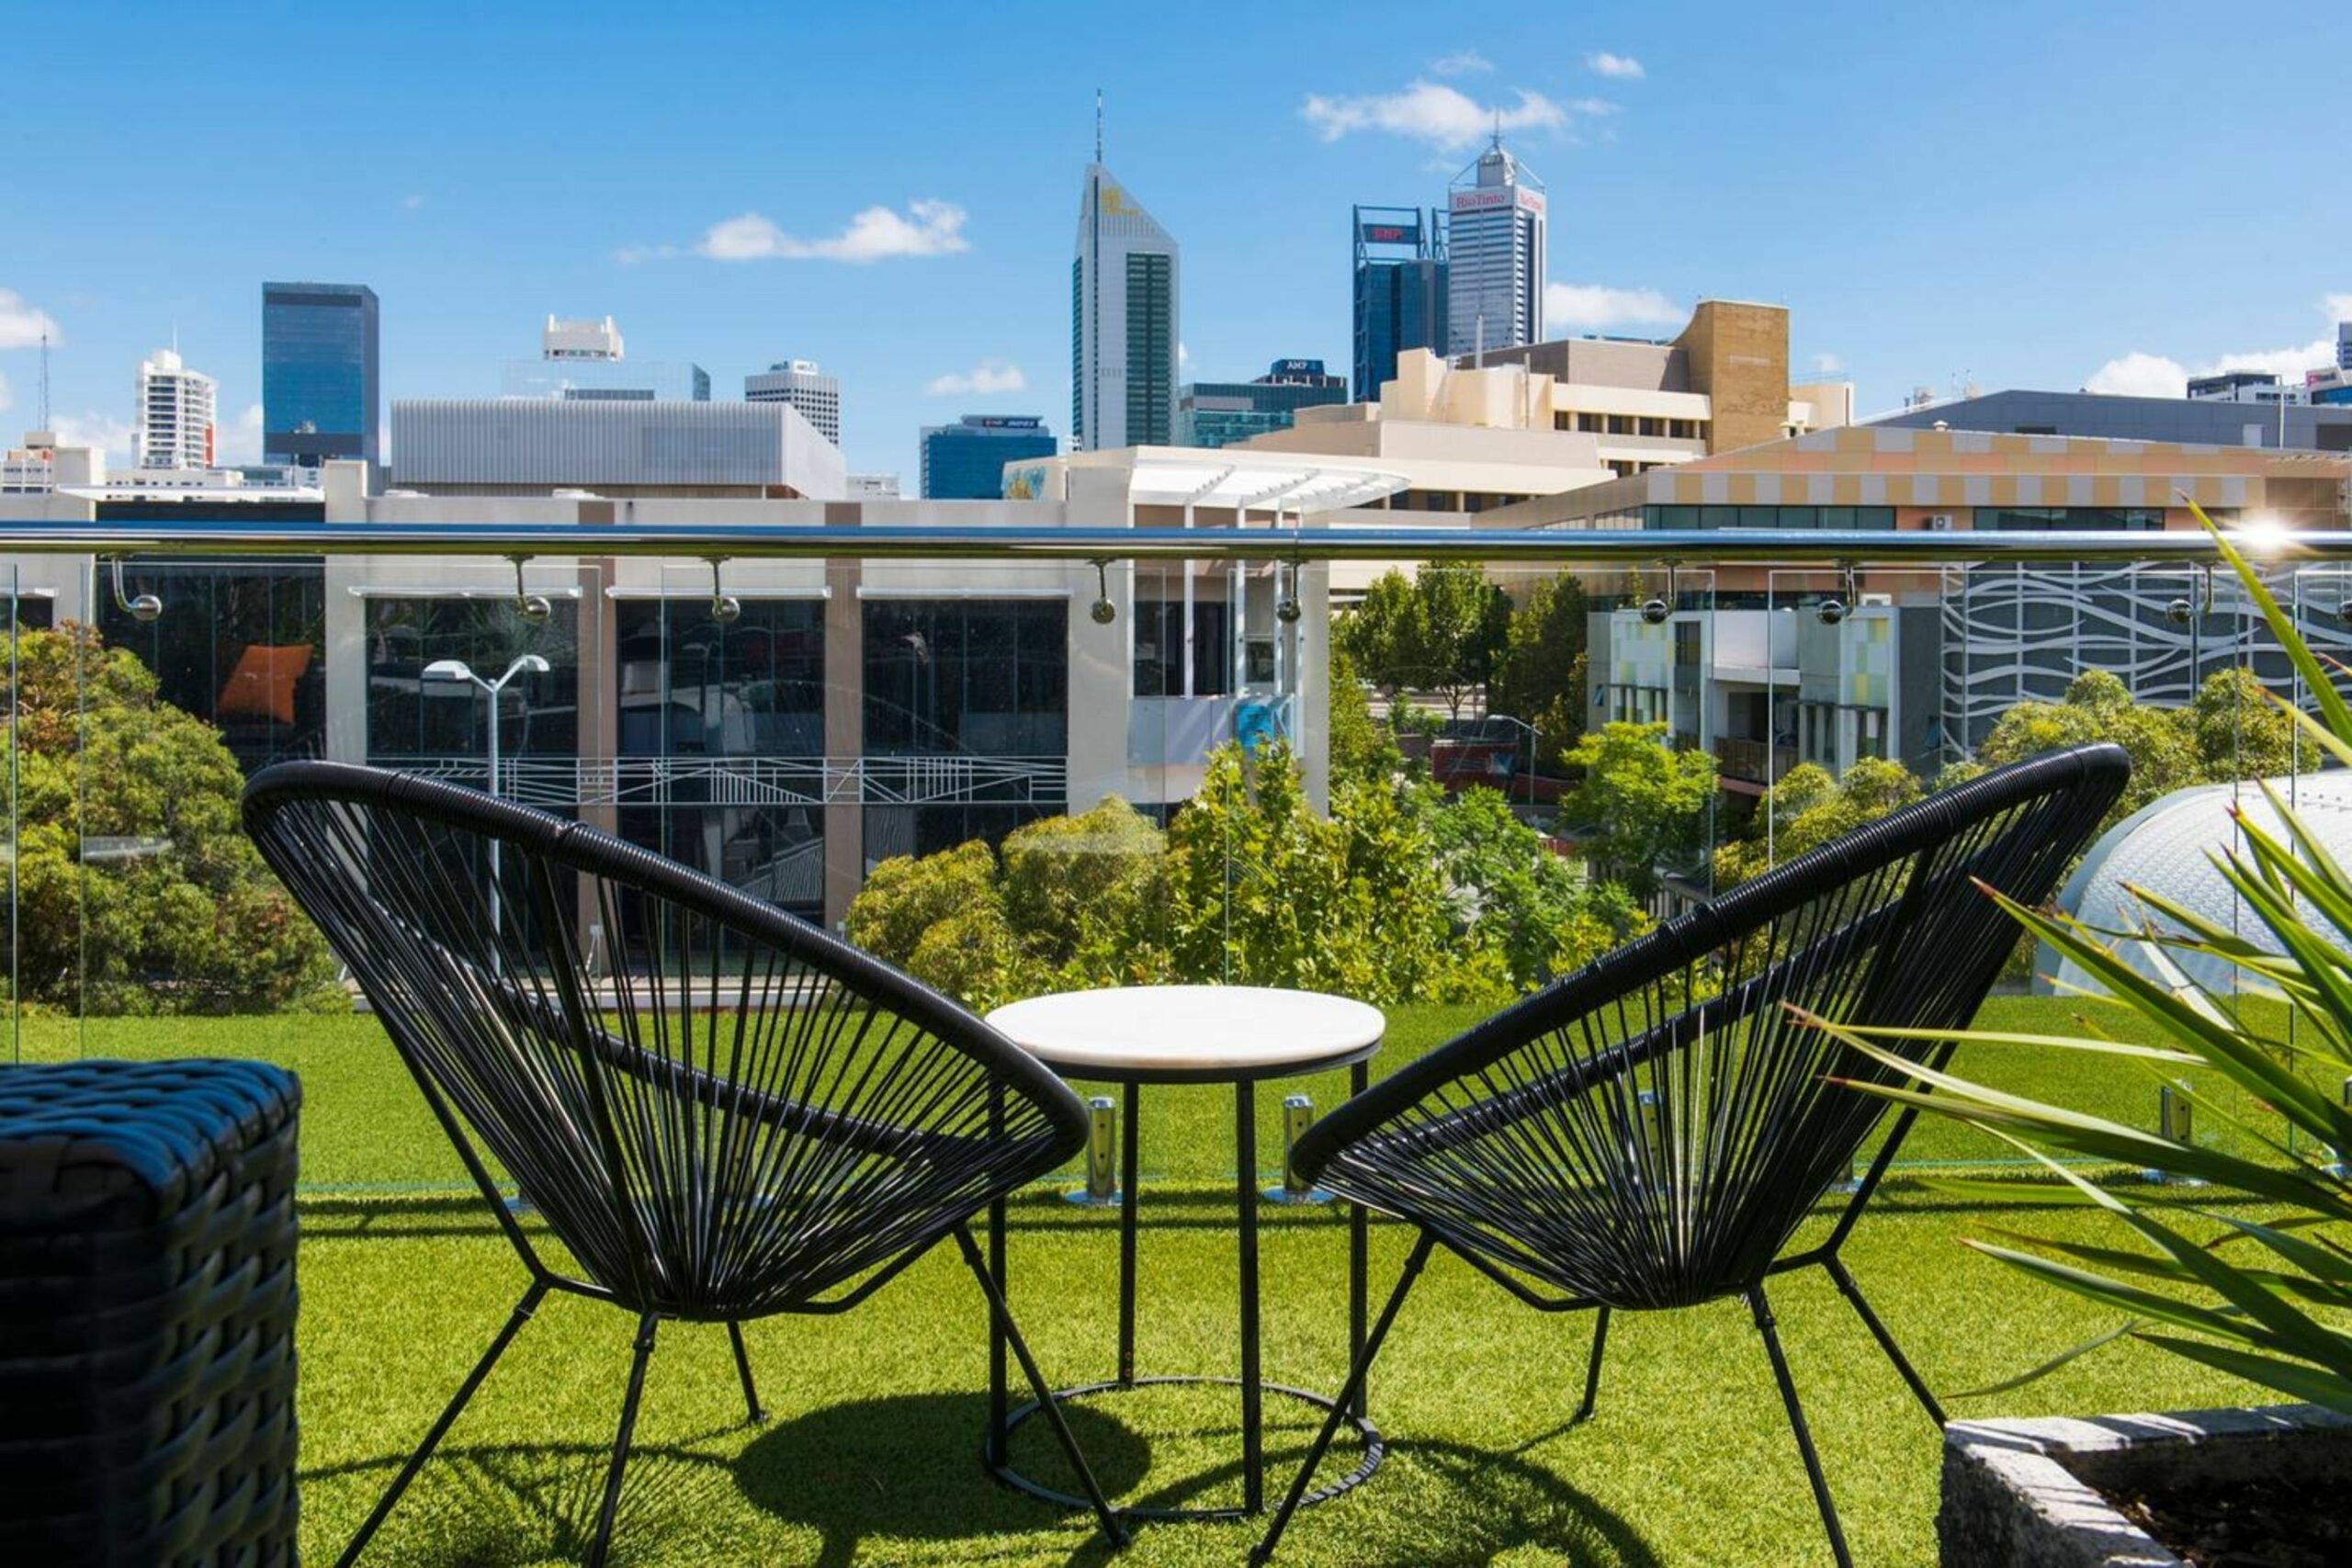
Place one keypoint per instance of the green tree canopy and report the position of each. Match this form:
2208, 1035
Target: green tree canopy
1642, 804
1361, 747
1441, 630
1541, 675
137, 889
1808, 808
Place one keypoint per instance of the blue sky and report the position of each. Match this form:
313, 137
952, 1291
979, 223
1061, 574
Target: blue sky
2023, 195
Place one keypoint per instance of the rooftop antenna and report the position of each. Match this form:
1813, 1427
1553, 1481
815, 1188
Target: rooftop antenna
44, 380
1498, 128
1098, 125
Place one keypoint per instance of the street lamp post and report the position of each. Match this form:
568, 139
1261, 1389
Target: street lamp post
459, 671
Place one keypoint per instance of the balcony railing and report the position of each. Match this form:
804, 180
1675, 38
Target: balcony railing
1755, 762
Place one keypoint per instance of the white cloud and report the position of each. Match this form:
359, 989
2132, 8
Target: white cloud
1463, 63
1827, 365
2139, 376
925, 229
1624, 67
21, 325
1430, 111
988, 375
240, 442
110, 435
7, 399
1595, 307
1183, 355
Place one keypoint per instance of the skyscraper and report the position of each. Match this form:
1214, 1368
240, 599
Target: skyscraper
319, 388
799, 382
965, 461
1494, 254
1399, 290
1122, 325
173, 429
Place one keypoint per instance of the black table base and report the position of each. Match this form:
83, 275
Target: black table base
995, 1454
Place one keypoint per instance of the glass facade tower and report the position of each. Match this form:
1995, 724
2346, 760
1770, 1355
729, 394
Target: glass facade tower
965, 461
319, 387
1400, 291
1123, 321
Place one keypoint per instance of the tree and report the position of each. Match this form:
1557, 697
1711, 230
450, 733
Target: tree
1511, 895
1808, 808
1361, 747
1441, 630
2161, 742
137, 890
2242, 733
1643, 804
1541, 676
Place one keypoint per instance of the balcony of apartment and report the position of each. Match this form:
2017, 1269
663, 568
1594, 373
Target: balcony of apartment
909, 734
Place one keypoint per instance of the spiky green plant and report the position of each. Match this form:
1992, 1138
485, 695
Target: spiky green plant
2269, 1301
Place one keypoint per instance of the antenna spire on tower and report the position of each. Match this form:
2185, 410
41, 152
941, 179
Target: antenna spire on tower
1098, 125
44, 380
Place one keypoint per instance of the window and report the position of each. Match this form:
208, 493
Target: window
1159, 648
1650, 426
984, 676
1621, 425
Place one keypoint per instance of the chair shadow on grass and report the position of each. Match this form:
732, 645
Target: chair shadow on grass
907, 1467
497, 1504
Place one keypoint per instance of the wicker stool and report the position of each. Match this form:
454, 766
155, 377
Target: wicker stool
147, 1314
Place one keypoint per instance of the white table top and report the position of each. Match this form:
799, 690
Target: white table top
1211, 1033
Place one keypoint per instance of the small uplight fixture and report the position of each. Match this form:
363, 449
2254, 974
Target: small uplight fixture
2264, 535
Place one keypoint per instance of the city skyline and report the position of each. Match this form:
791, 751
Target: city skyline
921, 253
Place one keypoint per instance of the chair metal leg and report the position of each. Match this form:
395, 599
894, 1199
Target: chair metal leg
515, 1322
1264, 1550
1763, 1310
743, 1370
1885, 1340
1001, 1316
1592, 1370
603, 1540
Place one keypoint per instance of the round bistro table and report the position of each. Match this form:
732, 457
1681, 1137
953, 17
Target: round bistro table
1241, 1035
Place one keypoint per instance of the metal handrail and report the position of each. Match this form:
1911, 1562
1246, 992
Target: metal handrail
1501, 547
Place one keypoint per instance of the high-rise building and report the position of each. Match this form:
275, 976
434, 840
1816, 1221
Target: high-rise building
799, 382
1218, 413
319, 386
1494, 254
2344, 346
173, 429
1399, 290
1123, 321
965, 461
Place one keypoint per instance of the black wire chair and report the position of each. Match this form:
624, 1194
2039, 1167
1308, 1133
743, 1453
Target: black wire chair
743, 1117
1650, 1132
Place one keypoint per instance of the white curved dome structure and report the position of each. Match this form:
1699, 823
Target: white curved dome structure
2165, 847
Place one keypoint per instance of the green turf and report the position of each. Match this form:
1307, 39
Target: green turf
872, 1455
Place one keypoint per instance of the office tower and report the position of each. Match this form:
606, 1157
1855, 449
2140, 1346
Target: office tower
1494, 254
1220, 413
2344, 346
799, 382
174, 428
319, 386
1399, 290
965, 461
1123, 320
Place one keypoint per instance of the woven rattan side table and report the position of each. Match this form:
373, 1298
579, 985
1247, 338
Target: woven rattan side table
147, 1304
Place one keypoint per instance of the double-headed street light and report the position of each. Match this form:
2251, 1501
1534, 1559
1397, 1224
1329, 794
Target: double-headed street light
457, 670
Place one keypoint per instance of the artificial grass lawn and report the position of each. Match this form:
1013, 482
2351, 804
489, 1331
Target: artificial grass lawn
871, 1455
